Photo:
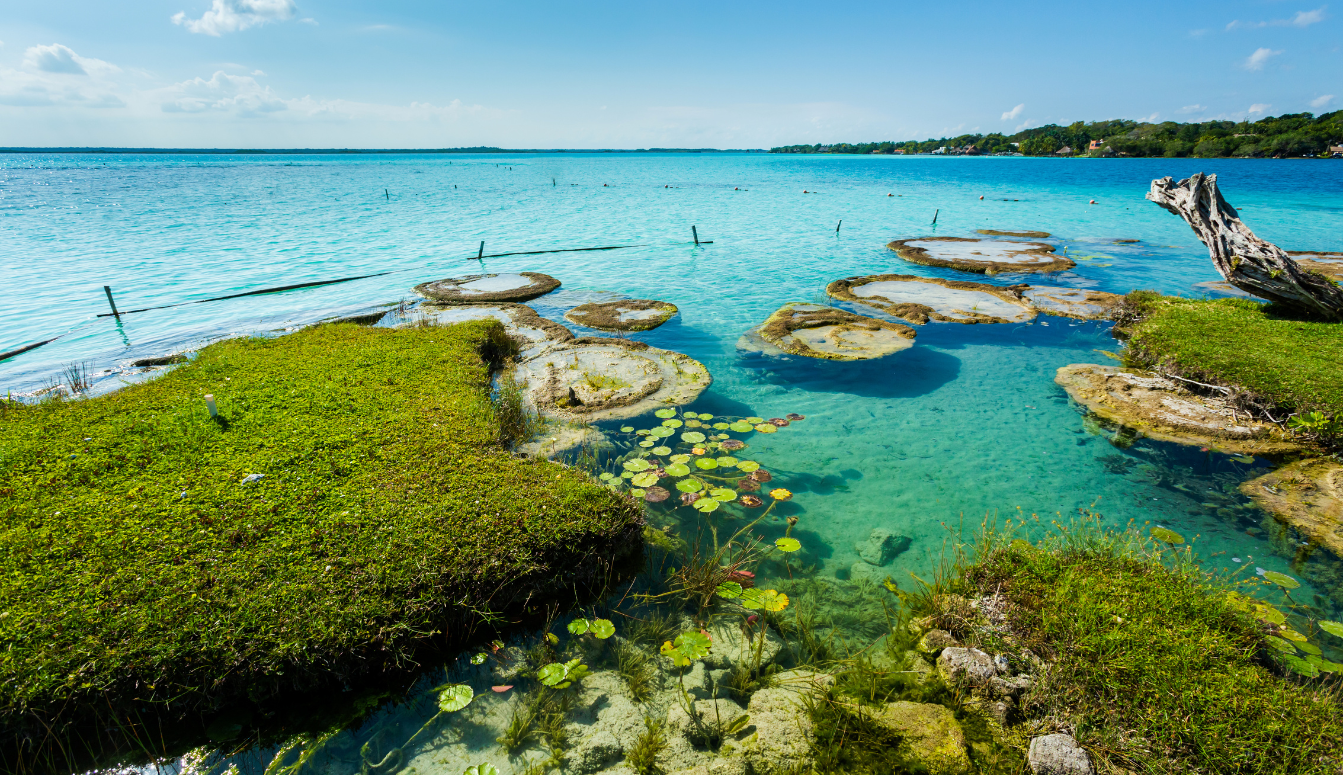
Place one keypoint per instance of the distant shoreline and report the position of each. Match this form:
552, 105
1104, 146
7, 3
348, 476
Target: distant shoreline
362, 151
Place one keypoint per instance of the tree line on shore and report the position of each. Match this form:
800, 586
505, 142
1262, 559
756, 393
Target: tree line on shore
1286, 136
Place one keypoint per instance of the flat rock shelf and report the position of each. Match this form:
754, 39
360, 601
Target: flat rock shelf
599, 378
520, 286
1071, 302
1162, 409
1328, 264
815, 331
1024, 234
519, 320
981, 256
623, 315
920, 299
1308, 495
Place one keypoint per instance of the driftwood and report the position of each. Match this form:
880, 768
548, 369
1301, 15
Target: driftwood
1246, 261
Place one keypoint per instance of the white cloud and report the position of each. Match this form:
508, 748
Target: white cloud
1193, 109
1023, 125
236, 15
1012, 114
238, 94
1259, 58
60, 59
1259, 107
1321, 101
1299, 19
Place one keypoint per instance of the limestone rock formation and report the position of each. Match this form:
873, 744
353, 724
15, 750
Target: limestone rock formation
1024, 234
1058, 754
882, 546
982, 256
1329, 264
1163, 409
968, 667
815, 331
1071, 302
604, 379
783, 729
622, 315
1244, 260
519, 286
1308, 495
935, 739
521, 321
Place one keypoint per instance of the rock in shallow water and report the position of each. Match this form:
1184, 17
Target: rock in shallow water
833, 334
882, 546
920, 299
984, 256
968, 667
595, 378
622, 315
520, 286
1308, 495
935, 739
1058, 755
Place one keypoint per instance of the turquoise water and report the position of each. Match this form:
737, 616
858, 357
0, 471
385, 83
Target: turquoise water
967, 423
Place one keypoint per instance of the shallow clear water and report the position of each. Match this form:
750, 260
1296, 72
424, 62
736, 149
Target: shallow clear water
966, 423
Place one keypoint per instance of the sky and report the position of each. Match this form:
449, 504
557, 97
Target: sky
632, 74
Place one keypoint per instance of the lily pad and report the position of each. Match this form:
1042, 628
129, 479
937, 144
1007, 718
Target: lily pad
1333, 628
689, 485
694, 437
766, 599
721, 426
606, 475
727, 461
787, 544
647, 443
646, 479
703, 416
1167, 536
765, 427
636, 464
627, 429
755, 420
688, 646
741, 426
664, 413
690, 415
706, 505
656, 494
626, 475
678, 469
723, 494
579, 626
661, 450
637, 492
661, 432
671, 423
693, 424
707, 463
682, 458
602, 628
1282, 580
747, 465
484, 768
455, 697
729, 590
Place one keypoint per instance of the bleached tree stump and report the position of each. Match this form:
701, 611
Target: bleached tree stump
1246, 261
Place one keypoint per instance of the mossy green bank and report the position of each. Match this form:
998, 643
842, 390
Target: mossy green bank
140, 574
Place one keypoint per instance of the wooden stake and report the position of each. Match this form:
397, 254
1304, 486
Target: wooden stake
695, 232
107, 289
386, 194
935, 212
481, 255
841, 223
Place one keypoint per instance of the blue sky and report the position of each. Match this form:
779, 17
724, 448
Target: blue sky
397, 73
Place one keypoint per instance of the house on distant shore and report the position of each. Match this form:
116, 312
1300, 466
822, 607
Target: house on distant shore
899, 151
1096, 145
941, 150
1336, 150
1064, 151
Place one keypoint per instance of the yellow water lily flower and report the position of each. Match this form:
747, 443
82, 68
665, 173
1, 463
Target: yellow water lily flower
780, 494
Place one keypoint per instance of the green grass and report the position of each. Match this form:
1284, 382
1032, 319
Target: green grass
1292, 363
1153, 666
137, 572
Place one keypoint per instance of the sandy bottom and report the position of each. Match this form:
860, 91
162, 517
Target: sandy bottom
496, 283
851, 342
952, 302
640, 314
1065, 301
985, 250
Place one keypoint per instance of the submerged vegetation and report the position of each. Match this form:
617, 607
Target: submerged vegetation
351, 504
1277, 363
1290, 135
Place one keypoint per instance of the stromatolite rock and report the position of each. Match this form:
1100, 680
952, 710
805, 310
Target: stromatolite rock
594, 379
815, 331
882, 546
519, 286
934, 737
920, 299
1058, 754
622, 315
983, 256
968, 667
1308, 495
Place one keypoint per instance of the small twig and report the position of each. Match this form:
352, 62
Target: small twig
1200, 384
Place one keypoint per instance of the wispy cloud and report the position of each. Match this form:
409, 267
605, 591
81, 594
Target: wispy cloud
1259, 58
1258, 108
1321, 101
1193, 109
1012, 114
60, 59
236, 15
1299, 19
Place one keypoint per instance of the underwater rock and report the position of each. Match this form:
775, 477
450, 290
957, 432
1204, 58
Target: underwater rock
882, 546
698, 682
935, 739
920, 299
715, 717
998, 710
866, 571
1162, 409
592, 378
783, 728
1329, 264
959, 666
562, 437
489, 287
1307, 495
730, 765
983, 256
164, 360
1222, 288
1026, 234
1009, 688
623, 315
732, 646
519, 320
594, 752
1071, 302
815, 331
1058, 755
934, 641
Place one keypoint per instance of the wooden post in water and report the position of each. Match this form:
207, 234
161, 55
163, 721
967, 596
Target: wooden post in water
935, 212
481, 255
695, 233
841, 223
107, 289
386, 194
